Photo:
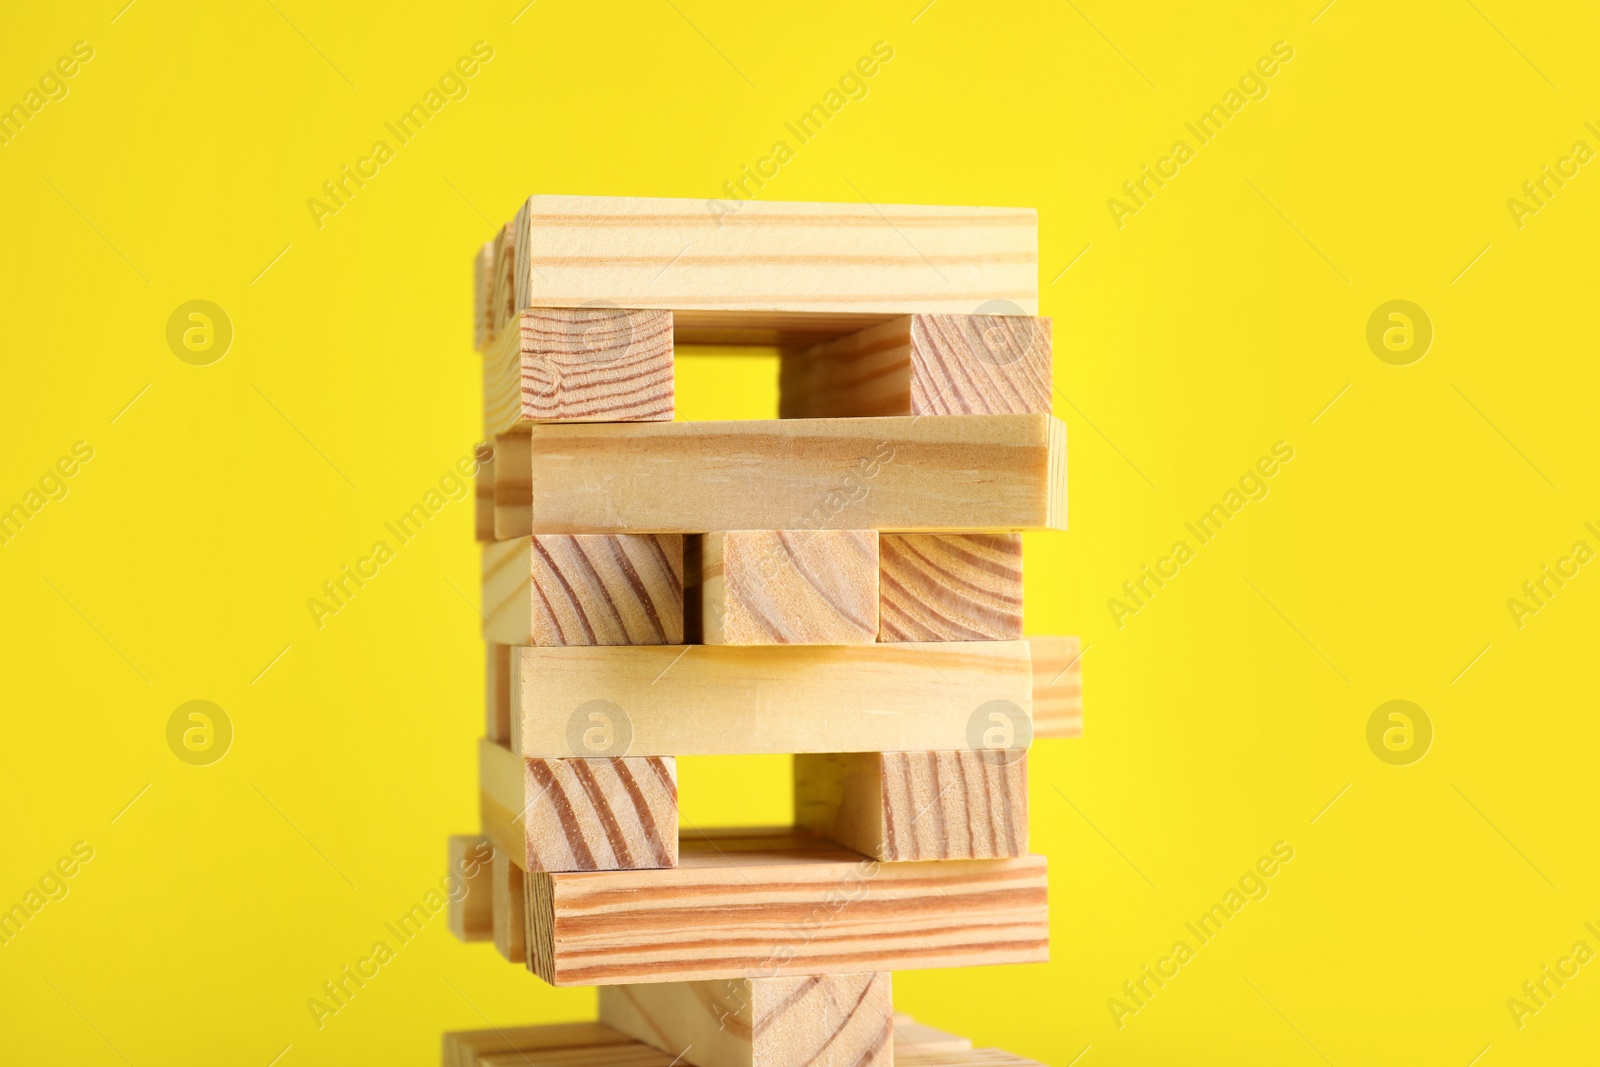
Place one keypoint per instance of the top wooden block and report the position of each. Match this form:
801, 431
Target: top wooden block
748, 266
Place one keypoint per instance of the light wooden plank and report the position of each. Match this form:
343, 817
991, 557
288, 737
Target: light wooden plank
1057, 686
789, 587
629, 1055
757, 262
580, 814
483, 493
471, 915
978, 1057
708, 699
513, 486
913, 1039
842, 1019
923, 365
483, 295
588, 364
958, 473
497, 687
584, 589
463, 1048
950, 587
901, 806
772, 903
510, 907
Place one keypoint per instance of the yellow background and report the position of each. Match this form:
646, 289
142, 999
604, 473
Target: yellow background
1223, 317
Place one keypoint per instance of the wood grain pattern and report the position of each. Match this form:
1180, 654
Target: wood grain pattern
513, 486
795, 587
913, 1039
901, 806
922, 365
471, 915
588, 364
694, 700
580, 814
465, 1048
841, 1019
1057, 686
978, 1057
483, 493
497, 693
756, 262
772, 903
510, 907
950, 587
956, 473
584, 589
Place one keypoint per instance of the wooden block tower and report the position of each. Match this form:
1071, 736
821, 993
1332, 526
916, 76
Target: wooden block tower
843, 583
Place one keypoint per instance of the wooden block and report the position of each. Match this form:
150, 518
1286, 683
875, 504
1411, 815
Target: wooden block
513, 486
1057, 686
797, 587
580, 814
922, 365
465, 1047
751, 265
584, 589
497, 683
692, 700
588, 364
978, 1057
950, 587
774, 903
913, 1039
842, 1019
510, 904
899, 806
955, 473
483, 494
633, 1054
471, 916
483, 295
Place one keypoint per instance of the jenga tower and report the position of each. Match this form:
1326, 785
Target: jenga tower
843, 583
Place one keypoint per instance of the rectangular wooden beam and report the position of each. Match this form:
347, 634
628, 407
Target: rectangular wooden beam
1057, 686
589, 364
483, 295
943, 473
950, 587
497, 691
774, 903
580, 814
513, 485
584, 589
789, 587
471, 1048
900, 806
694, 700
510, 905
922, 365
472, 912
760, 1022
914, 1038
483, 494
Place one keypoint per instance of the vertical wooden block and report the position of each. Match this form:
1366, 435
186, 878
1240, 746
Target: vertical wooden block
923, 365
513, 485
483, 494
510, 909
950, 587
778, 587
482, 295
1057, 686
842, 1019
471, 915
497, 686
895, 806
604, 814
584, 589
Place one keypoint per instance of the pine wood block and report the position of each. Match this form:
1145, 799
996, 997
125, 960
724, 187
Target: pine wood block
1057, 686
752, 265
775, 903
587, 364
584, 589
580, 814
692, 700
510, 904
513, 485
941, 473
914, 1039
794, 587
902, 806
466, 1048
633, 1054
497, 685
922, 365
483, 495
841, 1019
950, 587
483, 295
471, 915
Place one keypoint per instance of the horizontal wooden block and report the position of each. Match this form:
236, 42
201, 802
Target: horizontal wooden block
923, 365
1057, 686
586, 364
900, 806
692, 700
510, 905
497, 691
977, 1057
752, 265
471, 914
797, 587
950, 587
483, 494
760, 1022
584, 589
557, 1044
912, 1038
956, 473
513, 486
774, 903
580, 814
